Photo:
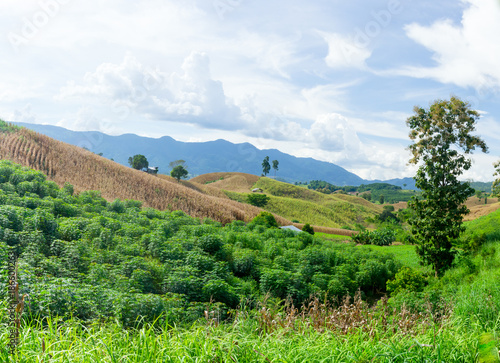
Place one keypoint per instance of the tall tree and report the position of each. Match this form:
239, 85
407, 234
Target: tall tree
439, 134
266, 167
495, 188
276, 163
138, 162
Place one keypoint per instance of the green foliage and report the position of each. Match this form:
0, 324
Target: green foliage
266, 167
308, 228
406, 279
179, 172
495, 187
258, 200
275, 166
138, 162
380, 237
8, 127
437, 219
91, 259
265, 219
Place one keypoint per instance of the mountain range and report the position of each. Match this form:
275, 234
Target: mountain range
207, 157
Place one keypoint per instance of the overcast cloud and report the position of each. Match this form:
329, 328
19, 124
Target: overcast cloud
332, 80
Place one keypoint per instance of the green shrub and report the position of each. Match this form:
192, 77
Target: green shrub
380, 237
135, 310
406, 279
265, 219
307, 228
210, 243
258, 200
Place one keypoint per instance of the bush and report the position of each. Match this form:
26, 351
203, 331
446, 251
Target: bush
258, 200
265, 219
135, 310
406, 279
381, 237
210, 243
307, 228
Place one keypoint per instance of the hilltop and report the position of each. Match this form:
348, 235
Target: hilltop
85, 170
206, 157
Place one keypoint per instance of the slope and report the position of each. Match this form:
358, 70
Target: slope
294, 202
201, 157
85, 170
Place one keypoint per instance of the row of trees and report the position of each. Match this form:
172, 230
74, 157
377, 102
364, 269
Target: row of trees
266, 167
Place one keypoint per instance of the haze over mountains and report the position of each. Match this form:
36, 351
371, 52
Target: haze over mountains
207, 157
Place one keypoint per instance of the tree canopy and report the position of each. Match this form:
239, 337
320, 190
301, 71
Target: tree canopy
266, 167
138, 162
179, 172
275, 166
495, 188
439, 134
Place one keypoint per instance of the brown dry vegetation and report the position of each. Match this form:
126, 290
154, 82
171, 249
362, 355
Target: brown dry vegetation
234, 182
85, 170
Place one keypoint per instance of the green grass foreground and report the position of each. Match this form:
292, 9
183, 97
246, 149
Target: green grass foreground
241, 341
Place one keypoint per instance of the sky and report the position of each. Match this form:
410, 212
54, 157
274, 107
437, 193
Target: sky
328, 79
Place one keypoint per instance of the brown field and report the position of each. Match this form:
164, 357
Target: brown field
480, 210
234, 182
85, 170
476, 206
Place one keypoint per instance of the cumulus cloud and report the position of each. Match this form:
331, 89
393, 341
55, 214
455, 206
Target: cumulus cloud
466, 54
333, 132
345, 51
191, 96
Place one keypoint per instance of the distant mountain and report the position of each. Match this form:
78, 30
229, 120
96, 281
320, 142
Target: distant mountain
206, 157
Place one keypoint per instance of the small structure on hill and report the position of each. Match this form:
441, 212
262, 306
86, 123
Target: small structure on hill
152, 170
257, 190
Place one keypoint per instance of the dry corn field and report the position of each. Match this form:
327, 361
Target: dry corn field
349, 315
234, 182
85, 170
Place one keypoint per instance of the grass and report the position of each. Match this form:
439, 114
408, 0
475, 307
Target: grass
488, 224
289, 338
405, 254
307, 206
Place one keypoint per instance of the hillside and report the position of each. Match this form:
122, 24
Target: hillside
85, 170
294, 202
201, 157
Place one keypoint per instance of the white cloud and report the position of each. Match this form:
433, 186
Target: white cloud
333, 132
85, 120
345, 51
24, 115
191, 96
466, 54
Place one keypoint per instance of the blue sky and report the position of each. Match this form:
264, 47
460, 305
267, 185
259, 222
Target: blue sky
333, 80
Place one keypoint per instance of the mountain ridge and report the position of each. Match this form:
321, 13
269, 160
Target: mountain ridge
205, 157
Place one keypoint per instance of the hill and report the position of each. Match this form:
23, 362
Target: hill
85, 170
295, 203
201, 157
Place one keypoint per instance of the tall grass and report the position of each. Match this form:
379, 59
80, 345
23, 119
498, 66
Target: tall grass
274, 335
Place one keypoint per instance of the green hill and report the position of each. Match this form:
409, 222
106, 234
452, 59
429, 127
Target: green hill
307, 206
